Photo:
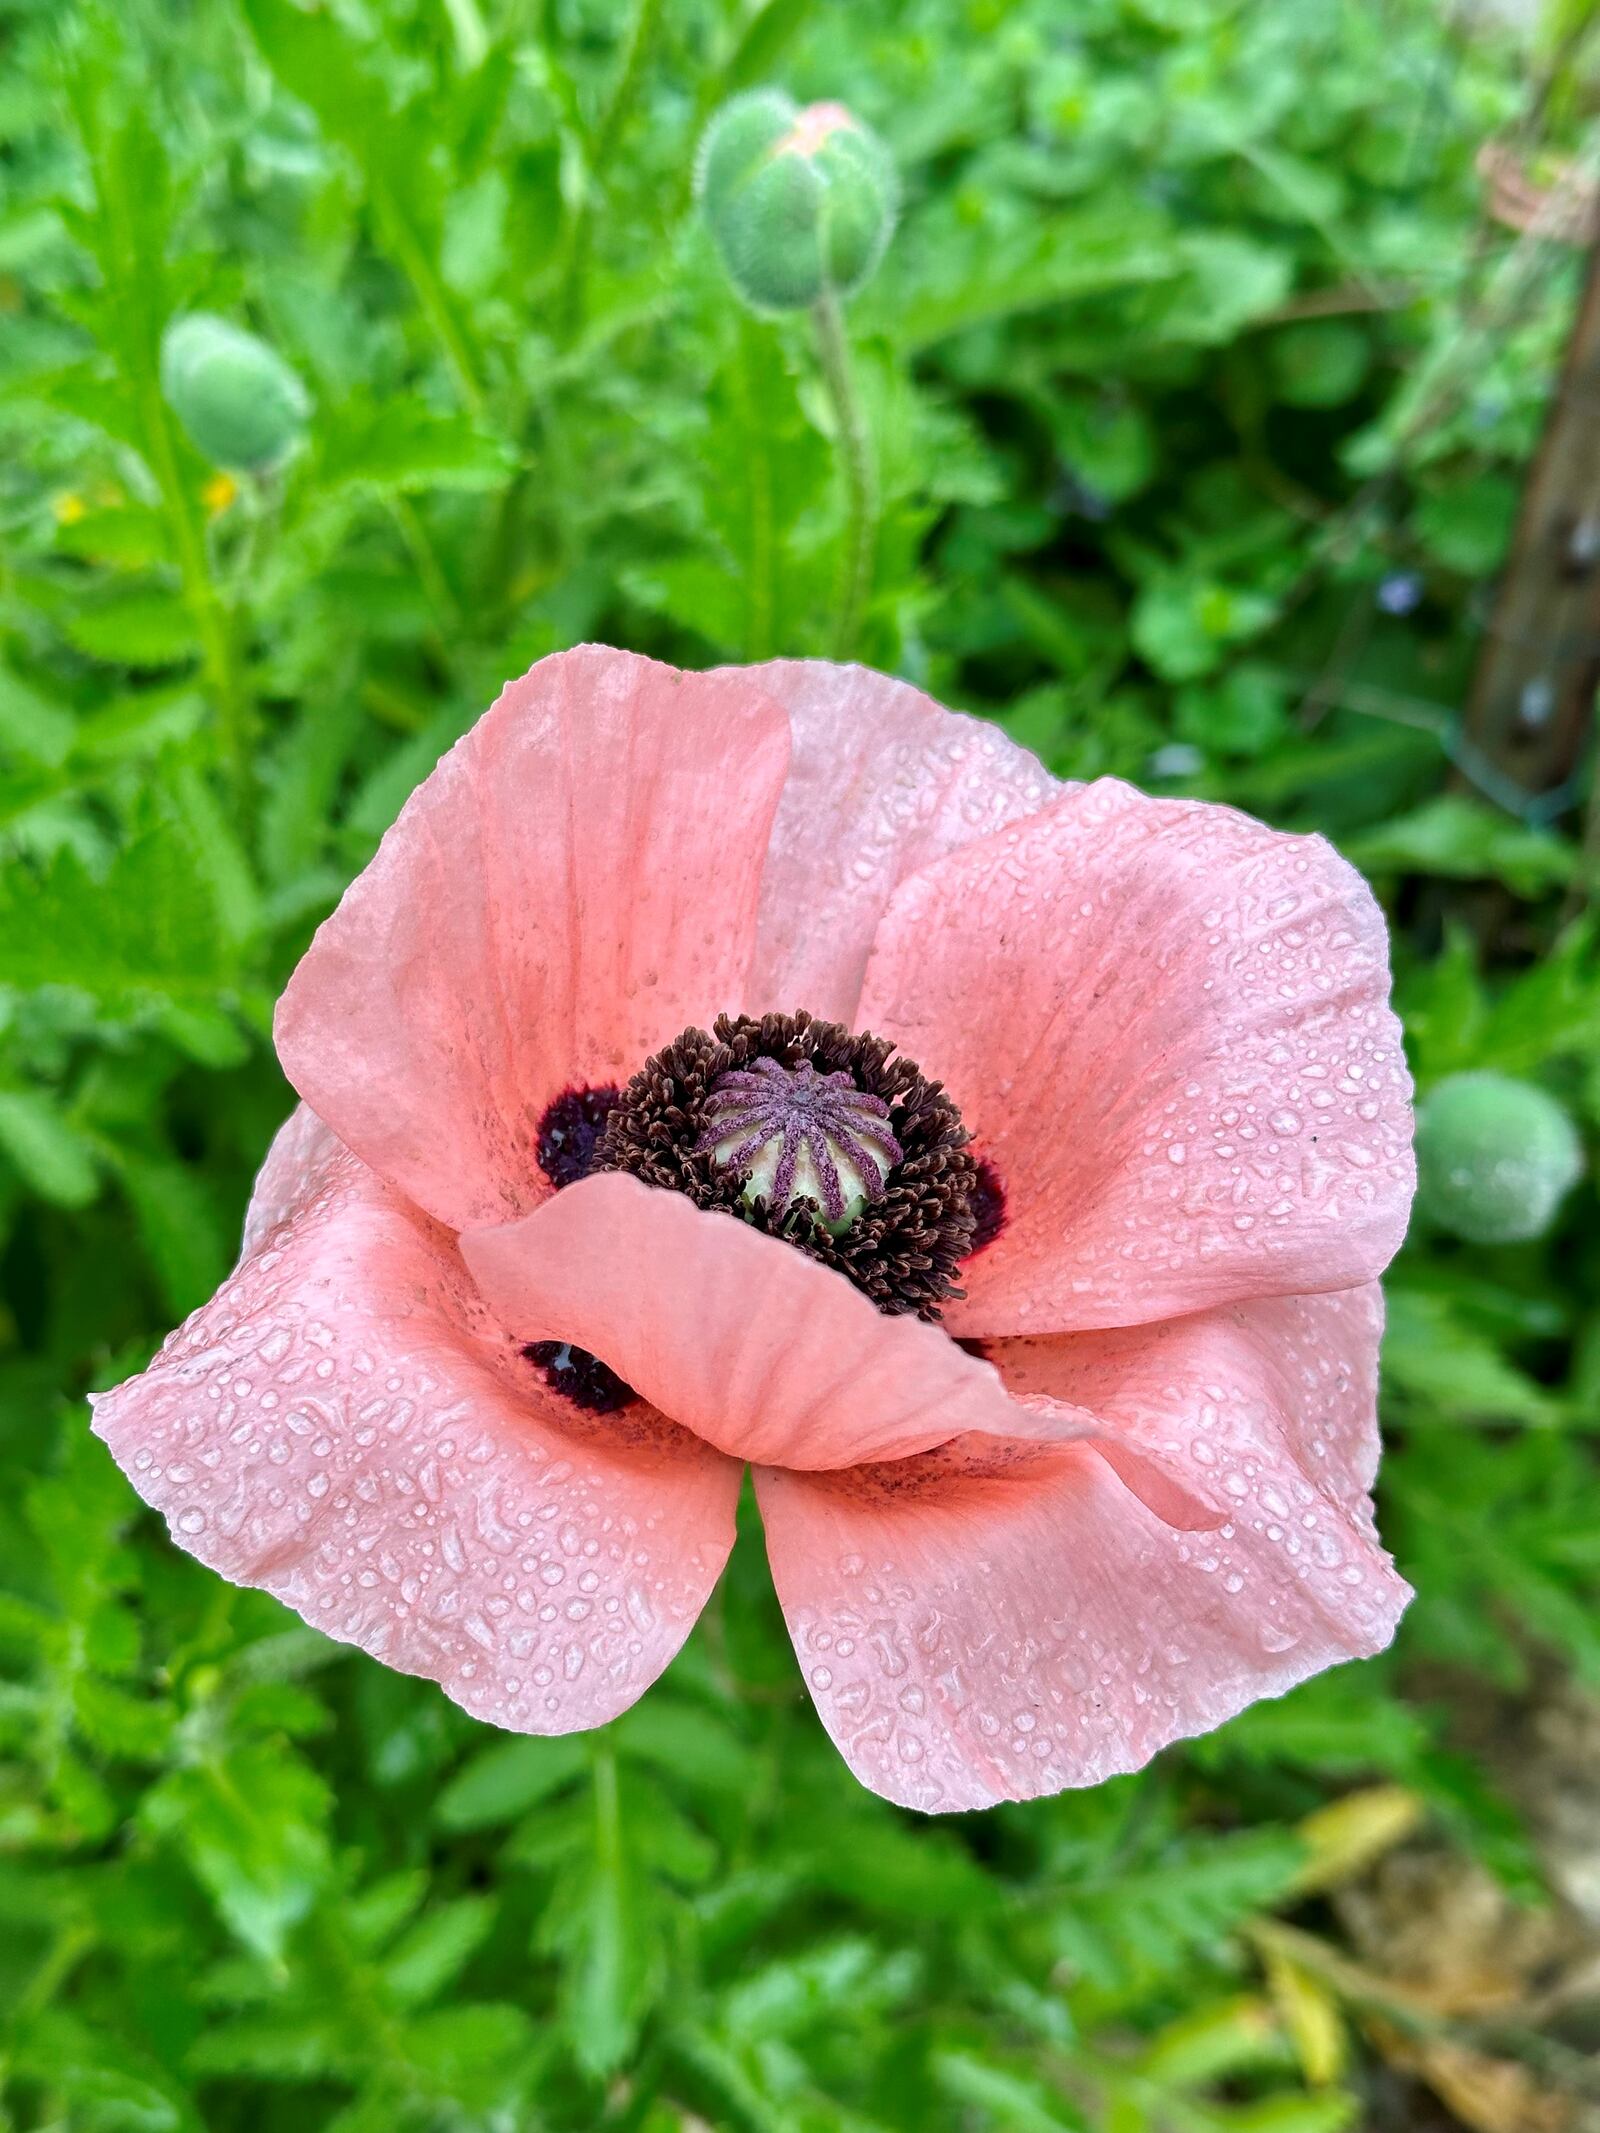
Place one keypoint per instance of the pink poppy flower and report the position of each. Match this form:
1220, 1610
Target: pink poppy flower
639, 1070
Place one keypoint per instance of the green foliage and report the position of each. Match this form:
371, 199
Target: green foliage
1196, 405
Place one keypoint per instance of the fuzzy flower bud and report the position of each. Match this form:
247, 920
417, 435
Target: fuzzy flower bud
1495, 1158
240, 403
800, 203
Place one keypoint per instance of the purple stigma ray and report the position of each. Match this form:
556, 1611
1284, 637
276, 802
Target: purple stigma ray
824, 1117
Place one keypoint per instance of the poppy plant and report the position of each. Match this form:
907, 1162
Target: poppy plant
769, 1068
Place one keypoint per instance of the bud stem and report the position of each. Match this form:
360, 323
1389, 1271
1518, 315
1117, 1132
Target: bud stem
855, 456
214, 619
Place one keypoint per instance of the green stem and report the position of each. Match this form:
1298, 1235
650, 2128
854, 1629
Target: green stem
601, 148
607, 1816
212, 619
861, 488
433, 297
610, 1949
761, 538
435, 586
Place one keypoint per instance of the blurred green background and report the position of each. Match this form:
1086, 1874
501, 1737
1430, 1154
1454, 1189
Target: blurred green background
1200, 382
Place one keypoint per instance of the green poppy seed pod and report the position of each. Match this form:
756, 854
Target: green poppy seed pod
1495, 1158
800, 203
241, 404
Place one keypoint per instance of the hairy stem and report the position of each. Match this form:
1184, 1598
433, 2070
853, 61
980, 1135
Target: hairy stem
214, 621
860, 482
760, 532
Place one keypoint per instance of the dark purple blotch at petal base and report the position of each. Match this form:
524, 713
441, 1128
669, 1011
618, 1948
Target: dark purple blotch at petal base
570, 1131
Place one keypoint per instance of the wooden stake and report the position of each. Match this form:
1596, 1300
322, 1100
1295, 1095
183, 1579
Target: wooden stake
1531, 710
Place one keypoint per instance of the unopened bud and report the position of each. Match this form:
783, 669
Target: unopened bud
800, 203
239, 401
1495, 1158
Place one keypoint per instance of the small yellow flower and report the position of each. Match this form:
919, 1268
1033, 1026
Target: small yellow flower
70, 508
218, 493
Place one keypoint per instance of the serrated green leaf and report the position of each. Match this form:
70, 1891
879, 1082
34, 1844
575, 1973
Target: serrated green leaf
1435, 1354
251, 1826
117, 1724
147, 925
406, 446
1152, 1919
145, 626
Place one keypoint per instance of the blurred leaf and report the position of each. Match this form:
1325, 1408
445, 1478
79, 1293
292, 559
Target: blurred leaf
1341, 1724
30, 725
468, 2049
1434, 1353
145, 626
947, 277
1320, 362
1465, 839
504, 1781
604, 1923
1184, 627
437, 1949
149, 924
406, 446
1007, 2099
1345, 1837
1467, 523
189, 1241
1311, 2015
55, 1159
1152, 1919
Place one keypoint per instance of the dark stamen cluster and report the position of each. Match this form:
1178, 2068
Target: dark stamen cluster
905, 1246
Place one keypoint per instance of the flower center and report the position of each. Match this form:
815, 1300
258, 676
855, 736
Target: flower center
810, 1133
794, 1134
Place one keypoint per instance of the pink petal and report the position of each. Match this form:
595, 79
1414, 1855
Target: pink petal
574, 884
1290, 1396
1168, 1029
345, 1426
759, 1350
883, 781
974, 1639
302, 1154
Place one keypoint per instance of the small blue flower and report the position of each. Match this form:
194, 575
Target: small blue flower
1400, 593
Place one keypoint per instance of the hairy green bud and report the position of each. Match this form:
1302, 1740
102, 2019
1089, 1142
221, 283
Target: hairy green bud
800, 203
1495, 1158
239, 401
